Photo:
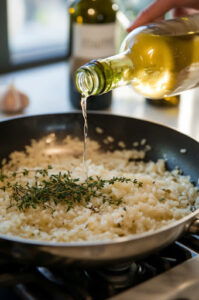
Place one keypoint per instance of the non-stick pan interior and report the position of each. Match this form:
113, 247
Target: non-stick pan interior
165, 142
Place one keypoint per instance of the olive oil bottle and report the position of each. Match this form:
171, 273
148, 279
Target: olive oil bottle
160, 60
93, 25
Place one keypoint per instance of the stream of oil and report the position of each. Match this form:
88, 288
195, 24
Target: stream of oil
84, 113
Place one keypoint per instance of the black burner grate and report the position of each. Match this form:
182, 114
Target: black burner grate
38, 283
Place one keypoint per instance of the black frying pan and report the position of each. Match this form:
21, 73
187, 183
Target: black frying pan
165, 142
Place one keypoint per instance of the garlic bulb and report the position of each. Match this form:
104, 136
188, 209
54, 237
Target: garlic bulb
13, 101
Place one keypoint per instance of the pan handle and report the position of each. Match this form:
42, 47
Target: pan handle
194, 227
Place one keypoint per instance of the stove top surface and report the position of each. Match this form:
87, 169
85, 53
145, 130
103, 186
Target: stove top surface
170, 274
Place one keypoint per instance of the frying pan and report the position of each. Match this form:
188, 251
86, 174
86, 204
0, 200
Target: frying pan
165, 142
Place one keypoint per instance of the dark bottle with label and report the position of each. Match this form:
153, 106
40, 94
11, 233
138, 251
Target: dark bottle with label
93, 25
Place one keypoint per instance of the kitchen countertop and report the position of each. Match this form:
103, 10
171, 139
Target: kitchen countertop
48, 91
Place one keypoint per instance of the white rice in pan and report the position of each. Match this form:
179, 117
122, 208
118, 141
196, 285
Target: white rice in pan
162, 198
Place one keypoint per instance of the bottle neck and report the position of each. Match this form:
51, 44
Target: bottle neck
90, 79
103, 75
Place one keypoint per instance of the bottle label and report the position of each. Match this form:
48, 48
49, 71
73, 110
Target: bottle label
93, 40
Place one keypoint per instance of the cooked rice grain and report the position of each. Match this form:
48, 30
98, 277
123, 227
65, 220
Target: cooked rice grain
164, 197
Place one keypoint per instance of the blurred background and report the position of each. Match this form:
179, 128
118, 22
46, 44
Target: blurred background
35, 54
34, 31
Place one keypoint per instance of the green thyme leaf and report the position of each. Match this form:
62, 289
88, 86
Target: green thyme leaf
162, 199
46, 189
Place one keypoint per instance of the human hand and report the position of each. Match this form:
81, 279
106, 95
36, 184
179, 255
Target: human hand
158, 8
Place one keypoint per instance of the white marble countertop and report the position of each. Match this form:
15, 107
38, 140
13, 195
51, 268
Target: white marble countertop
48, 91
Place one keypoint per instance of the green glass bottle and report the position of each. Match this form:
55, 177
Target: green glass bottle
159, 60
92, 35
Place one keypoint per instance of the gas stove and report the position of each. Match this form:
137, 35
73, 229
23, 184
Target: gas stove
170, 274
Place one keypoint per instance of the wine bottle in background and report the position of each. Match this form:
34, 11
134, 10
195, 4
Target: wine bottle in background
93, 26
159, 60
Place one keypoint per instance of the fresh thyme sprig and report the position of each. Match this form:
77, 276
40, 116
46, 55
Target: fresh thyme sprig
59, 188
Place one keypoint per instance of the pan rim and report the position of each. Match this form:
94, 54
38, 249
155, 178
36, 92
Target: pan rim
93, 112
